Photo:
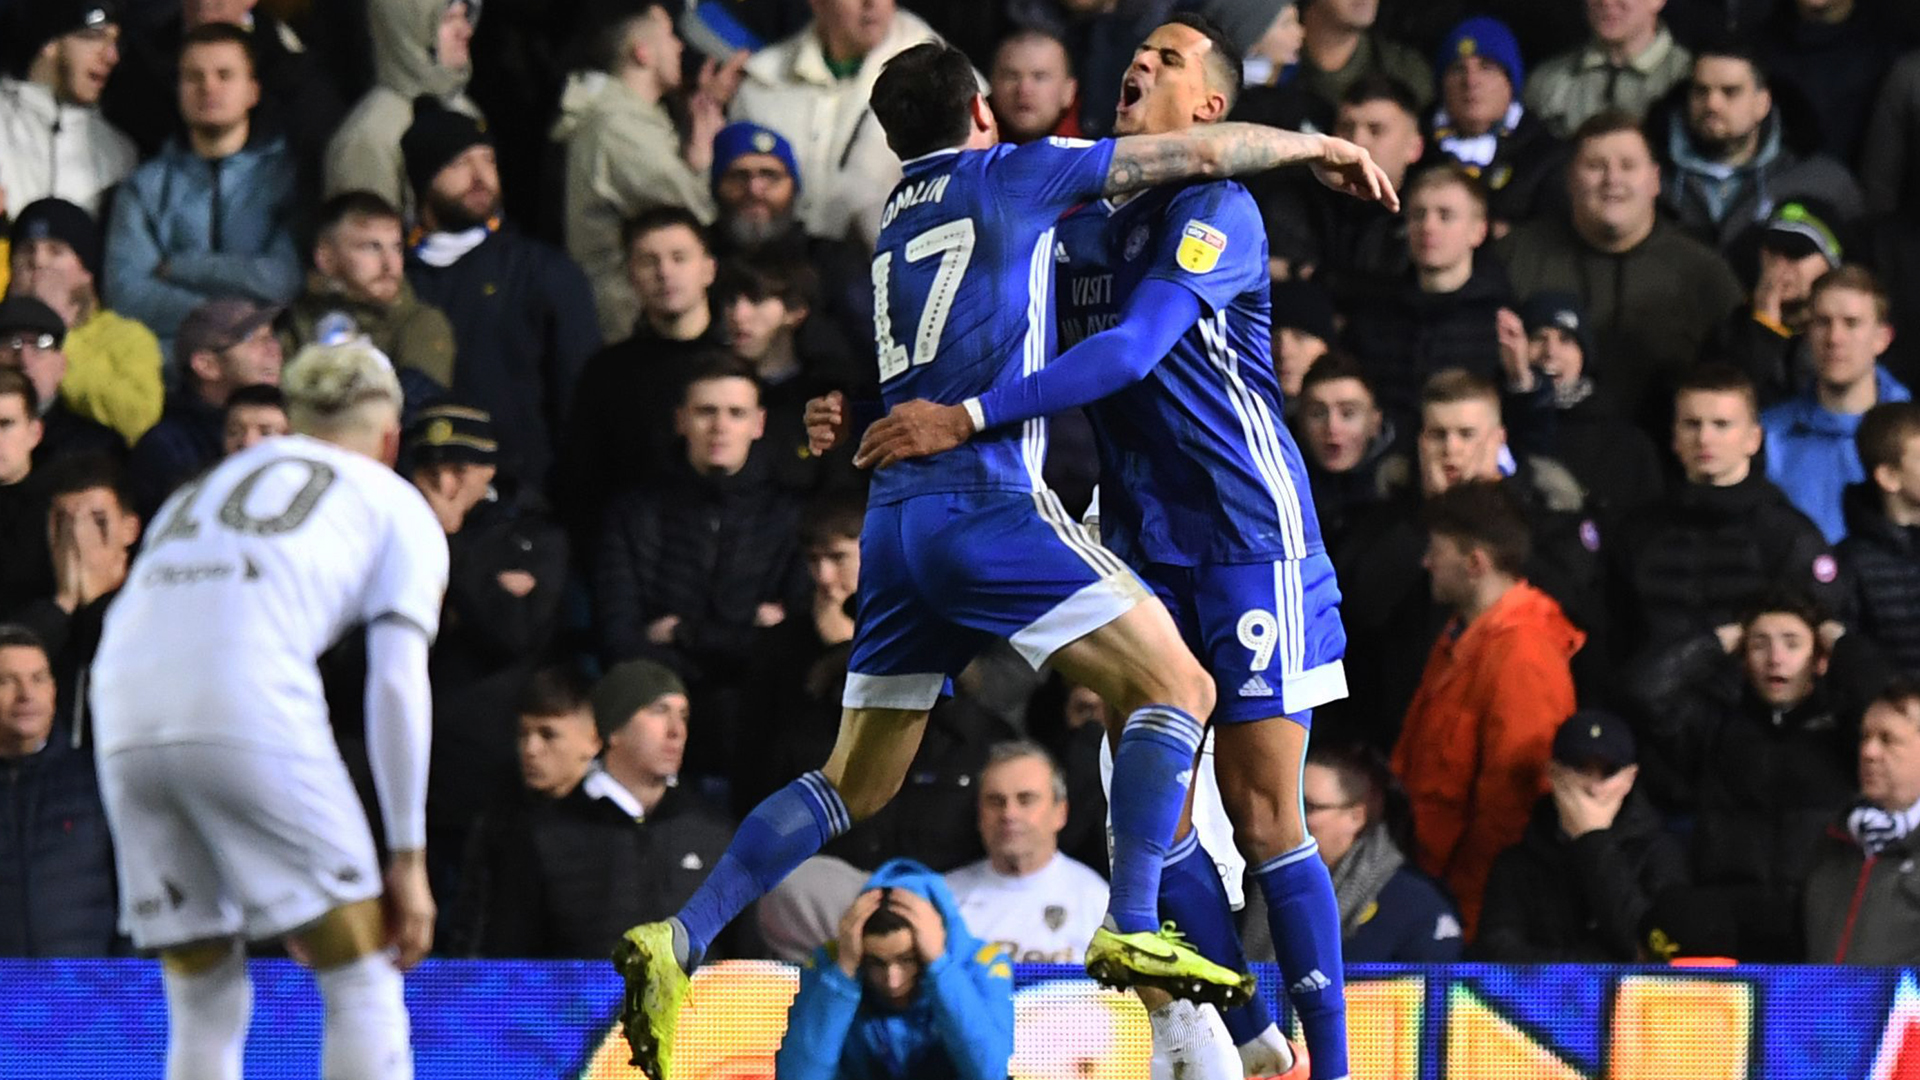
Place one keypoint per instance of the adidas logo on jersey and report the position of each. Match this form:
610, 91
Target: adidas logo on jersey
1311, 983
1256, 687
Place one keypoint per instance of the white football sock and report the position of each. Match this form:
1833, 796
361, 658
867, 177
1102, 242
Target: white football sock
366, 1035
1267, 1054
1191, 1043
207, 1014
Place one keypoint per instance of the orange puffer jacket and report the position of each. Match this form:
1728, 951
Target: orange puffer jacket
1474, 749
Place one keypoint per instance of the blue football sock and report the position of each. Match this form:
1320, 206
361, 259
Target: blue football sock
1306, 938
781, 833
1151, 771
1192, 895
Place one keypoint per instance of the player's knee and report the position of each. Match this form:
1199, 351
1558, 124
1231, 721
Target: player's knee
1266, 829
342, 935
867, 799
1184, 684
191, 960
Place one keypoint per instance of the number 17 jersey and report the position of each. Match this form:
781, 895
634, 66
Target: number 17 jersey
963, 297
248, 575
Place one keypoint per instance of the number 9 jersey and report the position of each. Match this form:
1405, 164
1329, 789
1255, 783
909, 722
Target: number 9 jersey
248, 574
963, 297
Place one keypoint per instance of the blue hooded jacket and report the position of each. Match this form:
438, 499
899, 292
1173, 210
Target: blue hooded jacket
959, 1026
1811, 455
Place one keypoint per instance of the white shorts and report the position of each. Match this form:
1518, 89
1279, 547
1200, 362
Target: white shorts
216, 841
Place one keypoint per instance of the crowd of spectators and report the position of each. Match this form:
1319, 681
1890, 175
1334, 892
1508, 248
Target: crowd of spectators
1608, 430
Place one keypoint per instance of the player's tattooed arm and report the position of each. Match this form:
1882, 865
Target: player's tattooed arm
1237, 149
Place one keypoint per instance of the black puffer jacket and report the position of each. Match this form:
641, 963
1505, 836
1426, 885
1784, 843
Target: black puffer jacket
490, 642
1696, 559
709, 549
1404, 335
1883, 568
26, 563
564, 878
58, 893
1552, 899
1762, 784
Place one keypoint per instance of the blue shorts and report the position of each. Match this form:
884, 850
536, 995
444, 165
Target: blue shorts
942, 576
1269, 632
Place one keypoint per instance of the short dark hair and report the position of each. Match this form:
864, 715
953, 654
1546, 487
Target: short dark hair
662, 217
763, 275
1377, 87
1449, 386
13, 381
1855, 278
1718, 377
606, 44
884, 921
1609, 122
1882, 436
16, 636
255, 395
1733, 49
1901, 694
85, 472
1482, 514
557, 690
219, 33
715, 365
1783, 600
1448, 174
349, 205
1225, 70
922, 97
830, 518
1333, 365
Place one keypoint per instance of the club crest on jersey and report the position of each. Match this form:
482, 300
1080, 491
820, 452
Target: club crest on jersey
1055, 915
1136, 243
1200, 247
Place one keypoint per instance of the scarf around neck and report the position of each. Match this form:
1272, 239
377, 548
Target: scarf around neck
1361, 873
1876, 829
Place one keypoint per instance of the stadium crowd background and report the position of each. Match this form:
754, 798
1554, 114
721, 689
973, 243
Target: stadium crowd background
1626, 363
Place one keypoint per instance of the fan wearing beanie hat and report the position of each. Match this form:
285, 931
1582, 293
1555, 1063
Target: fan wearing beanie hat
521, 311
1481, 122
440, 137
53, 139
640, 707
113, 362
1614, 460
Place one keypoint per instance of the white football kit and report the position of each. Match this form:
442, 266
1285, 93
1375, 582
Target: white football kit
1047, 916
231, 811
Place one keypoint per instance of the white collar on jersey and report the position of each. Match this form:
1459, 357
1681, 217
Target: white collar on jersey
929, 157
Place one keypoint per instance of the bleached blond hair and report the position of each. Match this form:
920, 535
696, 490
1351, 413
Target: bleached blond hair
334, 387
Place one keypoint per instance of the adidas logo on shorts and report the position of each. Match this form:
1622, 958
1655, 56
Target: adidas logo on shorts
1256, 687
1310, 983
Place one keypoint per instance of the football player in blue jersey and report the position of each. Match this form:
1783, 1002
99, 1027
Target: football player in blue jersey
1204, 493
971, 546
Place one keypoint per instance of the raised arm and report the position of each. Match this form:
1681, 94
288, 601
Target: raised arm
1239, 149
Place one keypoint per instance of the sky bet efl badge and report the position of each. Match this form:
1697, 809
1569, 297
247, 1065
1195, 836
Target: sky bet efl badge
1200, 247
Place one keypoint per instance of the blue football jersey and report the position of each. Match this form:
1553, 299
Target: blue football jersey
964, 300
1197, 465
